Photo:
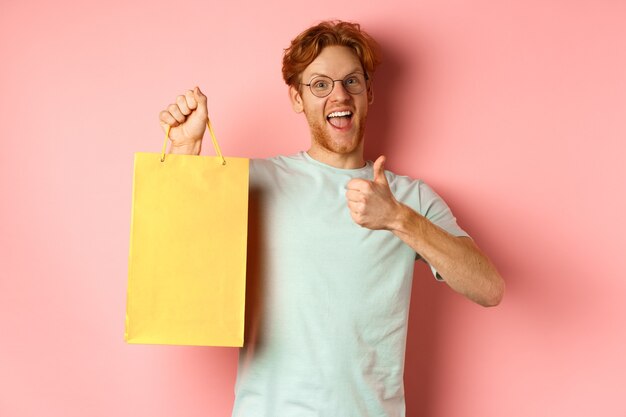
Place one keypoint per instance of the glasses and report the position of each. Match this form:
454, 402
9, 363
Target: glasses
321, 86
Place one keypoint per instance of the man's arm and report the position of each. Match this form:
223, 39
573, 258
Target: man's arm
457, 259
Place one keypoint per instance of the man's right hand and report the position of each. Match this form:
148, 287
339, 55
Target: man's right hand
187, 120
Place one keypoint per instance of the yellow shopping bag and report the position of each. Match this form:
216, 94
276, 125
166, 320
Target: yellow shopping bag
187, 260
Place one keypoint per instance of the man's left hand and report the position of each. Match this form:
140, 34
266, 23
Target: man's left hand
371, 203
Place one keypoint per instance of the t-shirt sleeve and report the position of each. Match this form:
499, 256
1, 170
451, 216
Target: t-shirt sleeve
437, 211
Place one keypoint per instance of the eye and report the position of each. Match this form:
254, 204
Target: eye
352, 80
320, 84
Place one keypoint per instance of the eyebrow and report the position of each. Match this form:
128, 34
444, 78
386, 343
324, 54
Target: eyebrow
317, 74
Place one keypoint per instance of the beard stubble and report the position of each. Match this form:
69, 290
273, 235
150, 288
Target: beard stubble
320, 135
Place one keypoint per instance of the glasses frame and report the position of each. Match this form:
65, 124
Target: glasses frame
334, 81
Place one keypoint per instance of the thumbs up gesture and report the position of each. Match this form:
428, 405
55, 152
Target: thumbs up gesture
371, 203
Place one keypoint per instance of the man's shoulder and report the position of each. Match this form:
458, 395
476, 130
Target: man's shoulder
274, 163
412, 191
402, 181
268, 172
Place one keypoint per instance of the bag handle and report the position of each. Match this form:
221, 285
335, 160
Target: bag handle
215, 145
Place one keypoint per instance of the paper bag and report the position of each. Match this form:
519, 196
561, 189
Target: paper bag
187, 260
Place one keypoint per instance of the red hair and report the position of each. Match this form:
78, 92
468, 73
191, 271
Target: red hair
309, 44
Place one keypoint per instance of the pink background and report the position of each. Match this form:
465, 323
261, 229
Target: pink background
514, 111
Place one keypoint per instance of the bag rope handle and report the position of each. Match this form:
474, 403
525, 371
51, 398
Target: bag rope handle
215, 145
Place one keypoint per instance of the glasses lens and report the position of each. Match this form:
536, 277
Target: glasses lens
321, 86
354, 84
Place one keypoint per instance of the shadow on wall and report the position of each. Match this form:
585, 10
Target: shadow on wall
420, 362
381, 119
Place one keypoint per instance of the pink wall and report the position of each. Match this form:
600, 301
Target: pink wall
515, 111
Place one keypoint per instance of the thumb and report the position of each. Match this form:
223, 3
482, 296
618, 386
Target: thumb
198, 94
379, 170
200, 99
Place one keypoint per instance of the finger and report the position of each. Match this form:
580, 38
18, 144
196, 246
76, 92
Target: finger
358, 184
199, 96
192, 103
167, 119
191, 100
356, 217
355, 196
176, 113
356, 206
181, 102
379, 170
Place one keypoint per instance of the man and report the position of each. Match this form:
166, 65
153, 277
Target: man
338, 242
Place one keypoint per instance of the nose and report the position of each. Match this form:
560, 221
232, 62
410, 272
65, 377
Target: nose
339, 92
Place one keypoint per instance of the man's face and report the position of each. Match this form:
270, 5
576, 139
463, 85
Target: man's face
340, 135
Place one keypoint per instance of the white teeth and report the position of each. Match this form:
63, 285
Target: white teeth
340, 114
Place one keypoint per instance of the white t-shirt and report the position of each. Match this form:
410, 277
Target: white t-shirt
327, 300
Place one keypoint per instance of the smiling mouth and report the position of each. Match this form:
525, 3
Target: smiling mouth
339, 119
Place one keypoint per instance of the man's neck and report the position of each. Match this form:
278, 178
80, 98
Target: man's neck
352, 160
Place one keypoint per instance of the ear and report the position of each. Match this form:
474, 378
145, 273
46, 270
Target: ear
370, 93
296, 99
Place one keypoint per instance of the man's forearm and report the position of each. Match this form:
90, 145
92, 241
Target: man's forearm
457, 259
